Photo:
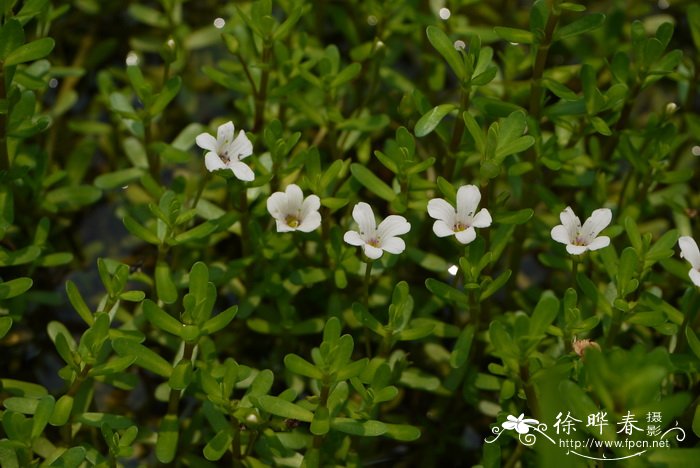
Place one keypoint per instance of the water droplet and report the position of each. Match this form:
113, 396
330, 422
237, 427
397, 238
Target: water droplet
445, 13
53, 83
219, 23
460, 45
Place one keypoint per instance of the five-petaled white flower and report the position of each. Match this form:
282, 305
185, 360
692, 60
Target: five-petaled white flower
292, 212
578, 239
226, 152
376, 239
689, 251
462, 221
520, 424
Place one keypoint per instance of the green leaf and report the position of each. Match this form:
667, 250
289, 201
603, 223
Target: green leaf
693, 341
73, 197
516, 36
61, 411
495, 285
170, 90
15, 287
71, 458
544, 314
513, 217
161, 319
321, 423
432, 119
460, 353
447, 292
359, 428
446, 48
348, 73
42, 414
515, 146
402, 432
580, 26
140, 231
5, 326
301, 366
219, 321
76, 300
30, 52
167, 292
373, 183
11, 37
168, 435
118, 179
218, 445
145, 358
283, 408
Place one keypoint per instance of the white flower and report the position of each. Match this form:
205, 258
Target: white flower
462, 221
376, 239
292, 212
520, 424
226, 152
689, 251
579, 239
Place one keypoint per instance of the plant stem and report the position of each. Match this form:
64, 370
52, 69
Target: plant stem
574, 271
457, 133
175, 395
261, 95
4, 156
367, 336
530, 392
200, 187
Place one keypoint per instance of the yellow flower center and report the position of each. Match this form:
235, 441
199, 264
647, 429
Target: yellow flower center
373, 242
459, 227
292, 221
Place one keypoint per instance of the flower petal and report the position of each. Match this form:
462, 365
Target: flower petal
509, 425
468, 198
241, 147
442, 229
372, 251
599, 242
694, 276
576, 249
206, 141
310, 222
282, 226
440, 209
241, 170
482, 219
393, 225
311, 204
522, 428
599, 220
364, 216
394, 245
212, 161
689, 251
295, 198
571, 222
561, 234
466, 236
277, 204
353, 238
224, 134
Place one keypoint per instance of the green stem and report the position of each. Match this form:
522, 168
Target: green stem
200, 187
530, 392
175, 395
457, 132
4, 156
317, 441
236, 443
615, 326
574, 271
538, 68
261, 96
367, 336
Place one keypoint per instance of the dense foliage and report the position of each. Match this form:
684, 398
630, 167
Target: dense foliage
151, 311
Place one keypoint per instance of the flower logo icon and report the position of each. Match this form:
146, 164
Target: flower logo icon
520, 424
